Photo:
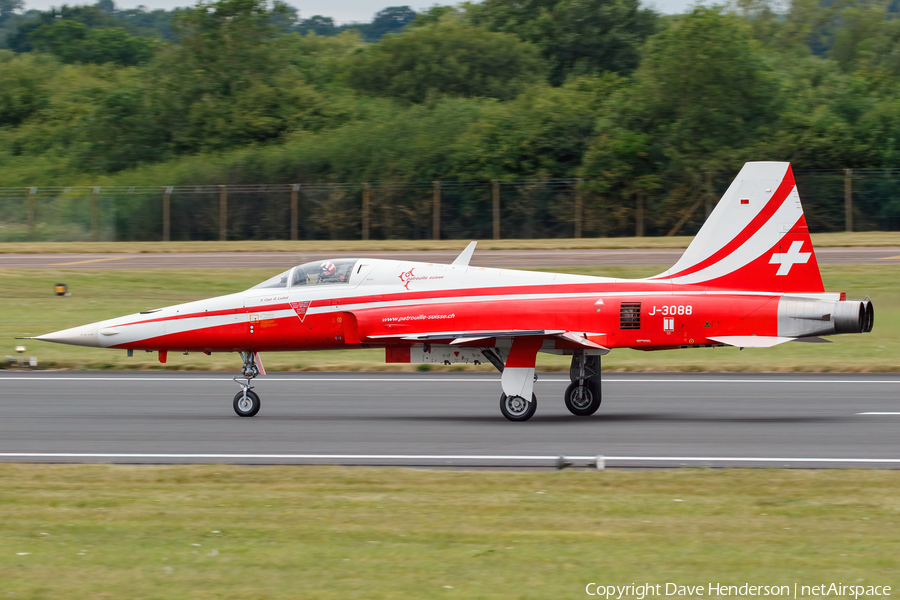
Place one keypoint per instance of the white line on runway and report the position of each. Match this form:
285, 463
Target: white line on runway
439, 457
450, 380
879, 413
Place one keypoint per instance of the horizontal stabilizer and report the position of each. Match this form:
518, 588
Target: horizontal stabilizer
762, 341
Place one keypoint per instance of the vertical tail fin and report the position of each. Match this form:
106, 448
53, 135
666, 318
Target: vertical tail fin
756, 238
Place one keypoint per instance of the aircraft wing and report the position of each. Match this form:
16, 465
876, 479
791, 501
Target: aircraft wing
458, 338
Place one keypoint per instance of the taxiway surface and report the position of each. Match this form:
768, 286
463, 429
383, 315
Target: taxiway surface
482, 258
647, 420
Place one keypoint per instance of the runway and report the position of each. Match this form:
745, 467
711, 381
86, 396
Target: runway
485, 258
452, 419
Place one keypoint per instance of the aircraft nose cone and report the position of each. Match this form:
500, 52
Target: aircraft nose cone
85, 335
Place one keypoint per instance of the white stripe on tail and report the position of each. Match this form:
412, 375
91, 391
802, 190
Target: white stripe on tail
755, 239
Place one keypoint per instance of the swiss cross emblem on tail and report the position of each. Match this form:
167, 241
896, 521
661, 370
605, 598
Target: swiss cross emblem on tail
300, 308
788, 259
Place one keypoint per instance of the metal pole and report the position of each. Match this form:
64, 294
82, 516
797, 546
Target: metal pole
365, 211
95, 215
848, 199
295, 192
436, 210
639, 215
579, 204
31, 213
167, 215
223, 213
495, 185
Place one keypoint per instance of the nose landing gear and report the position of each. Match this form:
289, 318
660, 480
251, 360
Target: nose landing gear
246, 402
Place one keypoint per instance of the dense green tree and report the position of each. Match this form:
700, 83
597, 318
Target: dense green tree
701, 99
392, 19
318, 25
9, 7
576, 36
23, 86
72, 42
447, 57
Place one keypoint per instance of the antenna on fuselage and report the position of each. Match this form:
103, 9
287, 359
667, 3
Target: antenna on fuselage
465, 256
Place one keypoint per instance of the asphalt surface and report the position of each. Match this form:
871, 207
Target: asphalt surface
452, 419
486, 258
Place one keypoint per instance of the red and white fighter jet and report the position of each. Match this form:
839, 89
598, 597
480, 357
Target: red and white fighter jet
749, 279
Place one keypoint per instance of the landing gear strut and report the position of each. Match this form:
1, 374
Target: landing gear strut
583, 395
246, 402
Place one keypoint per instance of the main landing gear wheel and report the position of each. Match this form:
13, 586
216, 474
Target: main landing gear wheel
583, 395
246, 404
583, 400
516, 408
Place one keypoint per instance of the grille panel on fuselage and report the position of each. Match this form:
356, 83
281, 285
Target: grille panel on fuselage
630, 315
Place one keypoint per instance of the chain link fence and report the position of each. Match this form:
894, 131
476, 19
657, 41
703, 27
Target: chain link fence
834, 200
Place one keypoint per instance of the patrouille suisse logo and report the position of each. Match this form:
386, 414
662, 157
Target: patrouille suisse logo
406, 277
300, 308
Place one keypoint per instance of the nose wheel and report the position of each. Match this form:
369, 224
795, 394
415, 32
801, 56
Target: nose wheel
246, 402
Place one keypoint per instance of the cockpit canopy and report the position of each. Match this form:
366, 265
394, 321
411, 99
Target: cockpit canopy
320, 272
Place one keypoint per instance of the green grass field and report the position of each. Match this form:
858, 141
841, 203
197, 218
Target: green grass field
227, 532
30, 308
820, 240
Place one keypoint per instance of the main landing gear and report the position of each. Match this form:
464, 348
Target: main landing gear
246, 402
583, 395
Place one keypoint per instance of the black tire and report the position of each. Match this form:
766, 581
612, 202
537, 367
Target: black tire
248, 408
583, 401
515, 408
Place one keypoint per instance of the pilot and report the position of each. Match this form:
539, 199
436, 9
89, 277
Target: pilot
327, 272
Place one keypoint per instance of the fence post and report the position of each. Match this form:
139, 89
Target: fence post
579, 204
495, 185
365, 211
31, 213
639, 215
223, 213
167, 215
95, 215
848, 199
436, 210
295, 191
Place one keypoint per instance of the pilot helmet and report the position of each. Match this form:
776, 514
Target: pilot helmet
327, 269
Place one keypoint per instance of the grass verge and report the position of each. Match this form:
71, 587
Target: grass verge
29, 309
227, 532
872, 238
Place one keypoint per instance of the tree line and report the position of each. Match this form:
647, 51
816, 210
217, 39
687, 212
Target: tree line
641, 106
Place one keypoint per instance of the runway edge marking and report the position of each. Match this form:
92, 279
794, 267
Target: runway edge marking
437, 457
